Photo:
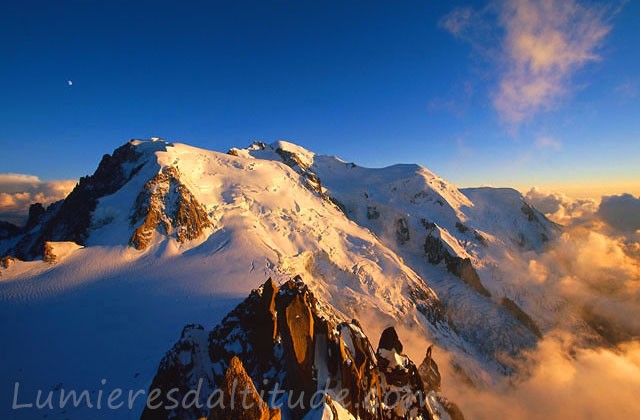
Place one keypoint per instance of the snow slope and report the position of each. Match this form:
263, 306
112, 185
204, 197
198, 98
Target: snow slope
356, 235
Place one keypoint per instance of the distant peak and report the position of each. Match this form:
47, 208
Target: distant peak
154, 144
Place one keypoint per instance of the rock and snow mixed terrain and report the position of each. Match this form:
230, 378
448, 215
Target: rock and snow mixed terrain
164, 235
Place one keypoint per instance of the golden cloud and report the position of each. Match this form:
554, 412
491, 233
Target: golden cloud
19, 191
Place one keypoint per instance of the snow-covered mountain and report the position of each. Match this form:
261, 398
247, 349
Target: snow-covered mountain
165, 234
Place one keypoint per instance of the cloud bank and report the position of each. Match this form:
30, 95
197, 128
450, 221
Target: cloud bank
622, 212
588, 384
584, 292
18, 191
540, 46
560, 208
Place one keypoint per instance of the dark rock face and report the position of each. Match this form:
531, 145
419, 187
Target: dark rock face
283, 338
436, 253
372, 213
400, 379
389, 340
461, 228
430, 375
428, 305
181, 369
402, 231
36, 212
521, 316
463, 268
69, 219
166, 202
9, 230
529, 212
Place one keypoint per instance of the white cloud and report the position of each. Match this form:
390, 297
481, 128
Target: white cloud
19, 191
545, 43
541, 44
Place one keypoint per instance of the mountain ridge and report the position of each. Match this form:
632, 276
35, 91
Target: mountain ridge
392, 246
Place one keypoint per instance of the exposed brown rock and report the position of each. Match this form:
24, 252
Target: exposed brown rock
430, 373
70, 219
241, 400
291, 159
300, 327
450, 407
269, 292
284, 336
7, 261
48, 254
166, 202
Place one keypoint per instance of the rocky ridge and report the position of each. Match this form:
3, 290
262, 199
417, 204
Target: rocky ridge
282, 337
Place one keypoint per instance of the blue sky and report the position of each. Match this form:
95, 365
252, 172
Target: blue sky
433, 82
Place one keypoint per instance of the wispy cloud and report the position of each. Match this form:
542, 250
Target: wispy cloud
541, 45
18, 191
546, 142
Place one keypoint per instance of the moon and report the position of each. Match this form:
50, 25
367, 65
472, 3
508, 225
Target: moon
69, 82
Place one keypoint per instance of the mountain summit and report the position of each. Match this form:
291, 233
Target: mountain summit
171, 226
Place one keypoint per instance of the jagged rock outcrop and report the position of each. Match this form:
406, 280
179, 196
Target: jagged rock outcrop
430, 373
521, 315
439, 404
36, 213
9, 230
250, 407
529, 212
282, 338
48, 254
372, 213
291, 159
402, 231
70, 219
6, 262
400, 379
437, 252
167, 203
54, 252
